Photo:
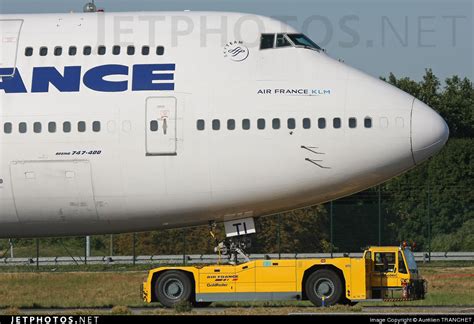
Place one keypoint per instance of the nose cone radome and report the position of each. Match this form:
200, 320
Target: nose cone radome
429, 132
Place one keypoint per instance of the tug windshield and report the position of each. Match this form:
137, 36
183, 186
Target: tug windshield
410, 260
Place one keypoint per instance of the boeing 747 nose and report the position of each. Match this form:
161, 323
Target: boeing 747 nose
429, 132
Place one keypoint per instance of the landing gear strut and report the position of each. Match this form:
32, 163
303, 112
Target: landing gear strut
232, 247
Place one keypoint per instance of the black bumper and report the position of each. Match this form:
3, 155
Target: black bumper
417, 289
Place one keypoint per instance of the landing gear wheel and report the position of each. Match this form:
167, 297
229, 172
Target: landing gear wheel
173, 287
324, 283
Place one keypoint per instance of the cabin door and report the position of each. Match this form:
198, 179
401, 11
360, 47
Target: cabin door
161, 126
9, 36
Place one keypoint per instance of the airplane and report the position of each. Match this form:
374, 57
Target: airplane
139, 121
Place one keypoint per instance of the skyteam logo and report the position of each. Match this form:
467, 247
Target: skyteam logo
103, 78
236, 51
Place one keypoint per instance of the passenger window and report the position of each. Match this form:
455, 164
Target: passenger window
383, 122
58, 51
216, 124
154, 125
267, 41
81, 126
261, 123
131, 50
200, 124
231, 124
66, 127
368, 122
22, 128
352, 122
282, 41
52, 127
399, 122
37, 127
246, 124
7, 128
87, 50
384, 262
72, 51
96, 126
160, 50
43, 51
29, 51
276, 123
101, 50
291, 123
322, 123
306, 123
111, 126
336, 122
146, 50
116, 50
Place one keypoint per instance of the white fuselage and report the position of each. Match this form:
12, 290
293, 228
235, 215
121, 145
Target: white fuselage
135, 158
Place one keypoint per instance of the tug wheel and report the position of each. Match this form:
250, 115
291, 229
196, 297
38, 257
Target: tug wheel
324, 284
173, 287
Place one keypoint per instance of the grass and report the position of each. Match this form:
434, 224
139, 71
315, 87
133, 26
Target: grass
70, 290
119, 288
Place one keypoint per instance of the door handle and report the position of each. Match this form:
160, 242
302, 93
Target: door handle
165, 126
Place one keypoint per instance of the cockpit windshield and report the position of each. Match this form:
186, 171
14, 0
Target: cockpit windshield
304, 41
269, 41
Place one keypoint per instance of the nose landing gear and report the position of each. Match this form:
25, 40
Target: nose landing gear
236, 242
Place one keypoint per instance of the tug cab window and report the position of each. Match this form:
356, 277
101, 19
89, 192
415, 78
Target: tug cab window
384, 262
401, 264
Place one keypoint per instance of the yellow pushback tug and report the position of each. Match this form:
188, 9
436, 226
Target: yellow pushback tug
383, 273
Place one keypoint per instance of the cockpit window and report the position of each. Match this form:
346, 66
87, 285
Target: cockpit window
282, 41
287, 40
304, 41
268, 41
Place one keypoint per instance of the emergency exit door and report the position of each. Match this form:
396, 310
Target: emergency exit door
161, 126
9, 36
